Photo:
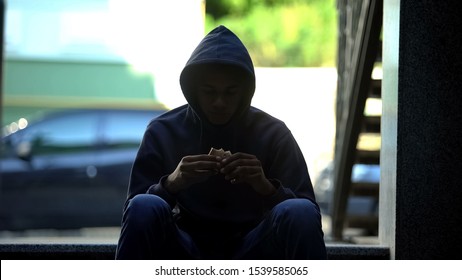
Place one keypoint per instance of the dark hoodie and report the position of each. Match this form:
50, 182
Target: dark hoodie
185, 131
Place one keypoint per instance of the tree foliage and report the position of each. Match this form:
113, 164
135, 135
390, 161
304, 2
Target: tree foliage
280, 33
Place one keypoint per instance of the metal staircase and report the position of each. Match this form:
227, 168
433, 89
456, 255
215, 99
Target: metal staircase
359, 51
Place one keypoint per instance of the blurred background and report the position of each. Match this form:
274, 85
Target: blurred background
81, 79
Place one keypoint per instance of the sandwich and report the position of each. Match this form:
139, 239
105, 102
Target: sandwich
219, 152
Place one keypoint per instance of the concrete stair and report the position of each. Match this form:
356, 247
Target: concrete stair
107, 252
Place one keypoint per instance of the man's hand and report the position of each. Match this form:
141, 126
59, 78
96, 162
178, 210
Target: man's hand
190, 170
246, 168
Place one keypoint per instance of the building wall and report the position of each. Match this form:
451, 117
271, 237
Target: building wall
34, 84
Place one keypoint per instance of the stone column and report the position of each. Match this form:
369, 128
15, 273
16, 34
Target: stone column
421, 154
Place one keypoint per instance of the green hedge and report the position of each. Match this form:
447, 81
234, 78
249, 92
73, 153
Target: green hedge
281, 33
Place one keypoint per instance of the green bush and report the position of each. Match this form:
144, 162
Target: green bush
284, 33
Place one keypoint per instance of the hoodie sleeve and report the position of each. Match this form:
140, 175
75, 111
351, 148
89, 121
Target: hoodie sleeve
288, 172
148, 174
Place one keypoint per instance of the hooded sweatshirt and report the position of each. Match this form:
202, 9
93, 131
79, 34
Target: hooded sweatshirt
185, 131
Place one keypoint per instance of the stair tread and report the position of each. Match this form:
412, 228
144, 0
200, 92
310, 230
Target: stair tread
365, 189
375, 90
368, 156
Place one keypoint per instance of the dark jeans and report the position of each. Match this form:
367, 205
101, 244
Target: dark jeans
292, 230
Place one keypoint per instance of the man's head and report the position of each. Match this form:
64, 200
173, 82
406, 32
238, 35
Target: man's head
220, 90
218, 80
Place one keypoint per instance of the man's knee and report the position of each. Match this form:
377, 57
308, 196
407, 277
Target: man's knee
146, 208
296, 226
297, 207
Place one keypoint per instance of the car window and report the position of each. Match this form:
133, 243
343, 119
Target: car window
125, 129
64, 133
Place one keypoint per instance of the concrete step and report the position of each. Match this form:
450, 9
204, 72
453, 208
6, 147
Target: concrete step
107, 252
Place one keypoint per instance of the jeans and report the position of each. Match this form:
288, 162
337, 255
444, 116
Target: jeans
291, 230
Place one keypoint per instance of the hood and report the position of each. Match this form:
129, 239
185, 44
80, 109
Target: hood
219, 46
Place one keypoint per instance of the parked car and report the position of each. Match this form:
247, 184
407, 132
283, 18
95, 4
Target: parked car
70, 169
324, 189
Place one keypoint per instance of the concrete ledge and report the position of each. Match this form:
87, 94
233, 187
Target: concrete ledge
57, 251
107, 252
357, 252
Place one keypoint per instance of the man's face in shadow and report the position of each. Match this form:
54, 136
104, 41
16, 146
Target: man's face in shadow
219, 92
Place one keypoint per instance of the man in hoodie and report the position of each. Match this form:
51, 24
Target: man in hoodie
183, 203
